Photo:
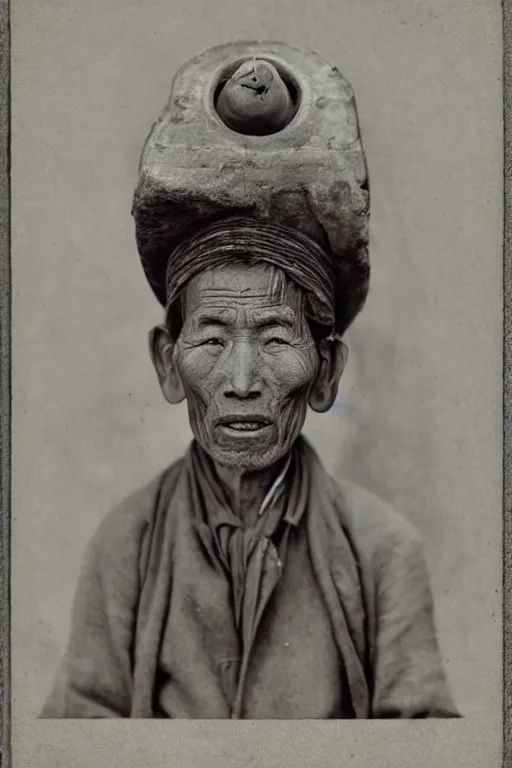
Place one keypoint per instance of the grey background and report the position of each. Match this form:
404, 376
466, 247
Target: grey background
419, 414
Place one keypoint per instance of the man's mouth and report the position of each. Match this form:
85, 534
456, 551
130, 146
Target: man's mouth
244, 424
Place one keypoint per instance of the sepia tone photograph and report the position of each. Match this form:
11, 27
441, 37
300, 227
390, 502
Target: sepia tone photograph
245, 582
256, 381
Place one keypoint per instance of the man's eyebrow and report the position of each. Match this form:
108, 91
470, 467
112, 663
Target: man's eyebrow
212, 319
280, 317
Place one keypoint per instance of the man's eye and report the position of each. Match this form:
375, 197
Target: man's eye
214, 342
274, 341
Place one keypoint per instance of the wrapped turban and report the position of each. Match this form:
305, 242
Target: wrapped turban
303, 260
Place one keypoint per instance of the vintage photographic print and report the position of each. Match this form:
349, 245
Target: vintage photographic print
256, 375
245, 581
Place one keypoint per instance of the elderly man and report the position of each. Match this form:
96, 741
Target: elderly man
245, 582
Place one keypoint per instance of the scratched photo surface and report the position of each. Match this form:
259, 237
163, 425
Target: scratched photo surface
405, 404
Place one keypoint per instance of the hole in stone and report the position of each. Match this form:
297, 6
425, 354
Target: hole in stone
257, 123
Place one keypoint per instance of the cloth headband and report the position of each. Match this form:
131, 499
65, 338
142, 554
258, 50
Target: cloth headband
300, 257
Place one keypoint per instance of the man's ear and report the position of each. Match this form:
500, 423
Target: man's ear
333, 358
161, 349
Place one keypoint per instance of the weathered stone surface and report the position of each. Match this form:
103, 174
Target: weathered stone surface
311, 174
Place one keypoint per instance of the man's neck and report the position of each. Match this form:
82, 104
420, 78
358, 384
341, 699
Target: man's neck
246, 491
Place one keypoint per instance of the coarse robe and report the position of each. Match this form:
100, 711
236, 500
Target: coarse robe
323, 609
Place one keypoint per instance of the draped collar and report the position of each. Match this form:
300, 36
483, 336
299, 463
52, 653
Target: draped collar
213, 509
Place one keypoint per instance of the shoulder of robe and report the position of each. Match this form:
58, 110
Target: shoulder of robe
376, 529
120, 536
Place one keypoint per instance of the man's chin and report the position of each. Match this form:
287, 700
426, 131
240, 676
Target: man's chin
247, 459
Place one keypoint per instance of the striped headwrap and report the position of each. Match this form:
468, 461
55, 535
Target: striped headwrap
300, 257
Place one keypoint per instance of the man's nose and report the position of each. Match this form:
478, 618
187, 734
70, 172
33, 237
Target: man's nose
242, 371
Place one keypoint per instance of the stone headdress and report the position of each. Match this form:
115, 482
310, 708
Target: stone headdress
258, 152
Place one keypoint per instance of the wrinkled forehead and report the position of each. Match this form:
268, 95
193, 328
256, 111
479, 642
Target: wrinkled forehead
259, 284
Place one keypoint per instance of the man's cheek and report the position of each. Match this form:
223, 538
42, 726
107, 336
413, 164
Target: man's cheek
195, 365
291, 419
198, 402
196, 375
292, 375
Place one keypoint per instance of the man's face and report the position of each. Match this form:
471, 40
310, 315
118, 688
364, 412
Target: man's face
247, 361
